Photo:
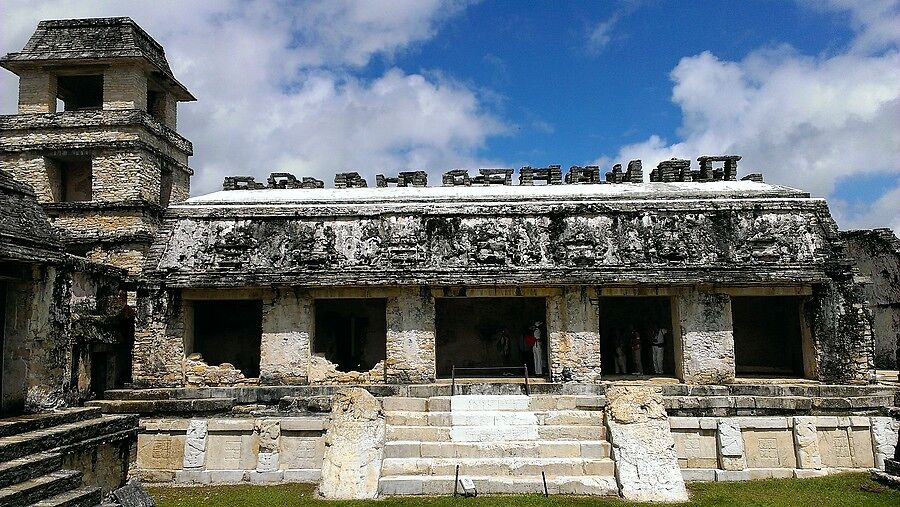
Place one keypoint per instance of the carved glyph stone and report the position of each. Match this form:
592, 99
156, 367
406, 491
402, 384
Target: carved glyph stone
646, 462
354, 445
731, 445
195, 444
884, 438
269, 432
806, 441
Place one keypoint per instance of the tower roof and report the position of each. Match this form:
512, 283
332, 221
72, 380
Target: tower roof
67, 40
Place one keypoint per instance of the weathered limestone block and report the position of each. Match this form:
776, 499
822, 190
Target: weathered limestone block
731, 445
269, 435
287, 325
573, 325
354, 445
884, 439
707, 338
806, 442
195, 444
410, 337
646, 462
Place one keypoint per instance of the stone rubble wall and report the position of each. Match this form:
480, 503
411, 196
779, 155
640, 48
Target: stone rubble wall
229, 450
744, 448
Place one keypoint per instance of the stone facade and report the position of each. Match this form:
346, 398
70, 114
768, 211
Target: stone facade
877, 255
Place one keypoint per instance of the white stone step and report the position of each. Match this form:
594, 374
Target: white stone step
493, 433
443, 485
536, 403
480, 403
498, 467
506, 449
552, 417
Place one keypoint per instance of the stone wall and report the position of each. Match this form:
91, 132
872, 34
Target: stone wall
877, 255
742, 448
288, 324
125, 87
228, 450
158, 349
53, 321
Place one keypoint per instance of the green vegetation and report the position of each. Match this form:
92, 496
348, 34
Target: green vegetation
842, 490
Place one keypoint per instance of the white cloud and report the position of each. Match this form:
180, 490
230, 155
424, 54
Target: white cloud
277, 85
602, 33
805, 121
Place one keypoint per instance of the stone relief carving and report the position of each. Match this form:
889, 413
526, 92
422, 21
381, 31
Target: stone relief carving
574, 239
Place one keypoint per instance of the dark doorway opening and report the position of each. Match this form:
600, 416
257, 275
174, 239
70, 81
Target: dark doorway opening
630, 327
2, 343
767, 335
229, 331
485, 332
351, 333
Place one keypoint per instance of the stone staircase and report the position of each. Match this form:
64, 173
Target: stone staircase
502, 442
32, 450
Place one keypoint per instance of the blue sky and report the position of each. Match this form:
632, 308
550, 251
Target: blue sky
807, 90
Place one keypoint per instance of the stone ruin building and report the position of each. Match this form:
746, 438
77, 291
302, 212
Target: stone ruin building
699, 326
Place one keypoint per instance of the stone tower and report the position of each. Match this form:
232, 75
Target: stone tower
95, 134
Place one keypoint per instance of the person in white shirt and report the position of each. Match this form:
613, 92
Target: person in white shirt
538, 350
659, 350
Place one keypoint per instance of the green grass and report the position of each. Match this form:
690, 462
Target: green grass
843, 490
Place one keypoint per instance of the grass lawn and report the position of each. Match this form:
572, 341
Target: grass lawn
844, 490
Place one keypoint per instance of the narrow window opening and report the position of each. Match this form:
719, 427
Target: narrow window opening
70, 178
228, 331
165, 188
80, 92
351, 333
156, 104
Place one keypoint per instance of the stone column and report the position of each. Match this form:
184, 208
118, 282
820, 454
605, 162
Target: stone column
124, 87
410, 337
731, 446
706, 337
37, 92
158, 339
573, 329
288, 321
806, 443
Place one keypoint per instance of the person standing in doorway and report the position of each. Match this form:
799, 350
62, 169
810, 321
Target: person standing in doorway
636, 352
659, 350
621, 357
534, 341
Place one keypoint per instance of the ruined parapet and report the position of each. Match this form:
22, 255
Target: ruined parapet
288, 180
403, 179
551, 175
241, 183
349, 180
669, 171
756, 177
728, 172
616, 175
635, 172
587, 174
457, 178
500, 176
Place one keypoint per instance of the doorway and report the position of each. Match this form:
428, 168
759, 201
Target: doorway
630, 330
768, 337
490, 332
